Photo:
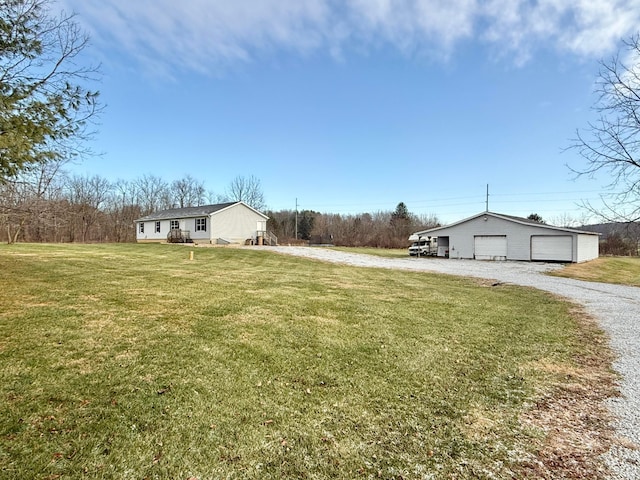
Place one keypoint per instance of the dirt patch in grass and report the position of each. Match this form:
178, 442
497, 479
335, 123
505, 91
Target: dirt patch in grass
576, 424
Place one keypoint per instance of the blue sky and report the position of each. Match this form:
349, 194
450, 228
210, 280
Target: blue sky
353, 106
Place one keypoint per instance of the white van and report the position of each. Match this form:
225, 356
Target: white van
424, 246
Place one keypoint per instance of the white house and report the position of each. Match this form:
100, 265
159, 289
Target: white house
224, 223
493, 236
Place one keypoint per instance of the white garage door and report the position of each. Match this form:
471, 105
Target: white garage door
490, 247
554, 248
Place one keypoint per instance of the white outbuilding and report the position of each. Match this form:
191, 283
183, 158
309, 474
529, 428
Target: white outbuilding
494, 236
223, 223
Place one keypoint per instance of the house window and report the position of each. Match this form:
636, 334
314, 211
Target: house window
201, 224
157, 227
141, 227
175, 225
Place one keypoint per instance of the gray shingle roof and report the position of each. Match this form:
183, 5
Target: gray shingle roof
505, 217
187, 212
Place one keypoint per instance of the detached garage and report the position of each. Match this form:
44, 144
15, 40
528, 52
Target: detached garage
493, 236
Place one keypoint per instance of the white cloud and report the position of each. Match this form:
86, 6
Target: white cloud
588, 28
205, 35
413, 26
600, 25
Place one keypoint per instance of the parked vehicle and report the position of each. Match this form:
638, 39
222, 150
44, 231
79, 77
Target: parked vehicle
427, 246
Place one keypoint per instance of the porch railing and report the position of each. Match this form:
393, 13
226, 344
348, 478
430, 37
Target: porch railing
268, 238
179, 236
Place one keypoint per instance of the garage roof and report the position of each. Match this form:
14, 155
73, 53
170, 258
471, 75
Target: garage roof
509, 218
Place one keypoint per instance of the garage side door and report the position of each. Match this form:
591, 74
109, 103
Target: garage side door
552, 248
490, 247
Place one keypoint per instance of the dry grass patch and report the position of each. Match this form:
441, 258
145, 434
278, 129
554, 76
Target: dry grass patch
576, 425
618, 270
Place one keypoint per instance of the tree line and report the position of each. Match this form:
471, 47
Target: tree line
381, 229
46, 204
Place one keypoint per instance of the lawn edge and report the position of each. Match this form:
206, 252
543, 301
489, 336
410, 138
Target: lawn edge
576, 422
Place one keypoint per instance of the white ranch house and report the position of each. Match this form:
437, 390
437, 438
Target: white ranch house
493, 236
223, 223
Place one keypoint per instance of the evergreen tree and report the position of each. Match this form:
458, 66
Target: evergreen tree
536, 218
44, 109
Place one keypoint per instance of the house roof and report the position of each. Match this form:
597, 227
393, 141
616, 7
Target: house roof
191, 212
510, 218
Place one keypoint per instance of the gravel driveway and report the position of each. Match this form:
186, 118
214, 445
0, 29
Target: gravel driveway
617, 308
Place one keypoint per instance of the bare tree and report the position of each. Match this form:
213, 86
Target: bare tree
425, 221
188, 192
282, 224
26, 201
247, 190
153, 194
612, 142
212, 197
14, 212
570, 221
87, 196
123, 209
380, 229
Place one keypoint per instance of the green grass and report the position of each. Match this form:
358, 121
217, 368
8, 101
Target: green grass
131, 361
618, 270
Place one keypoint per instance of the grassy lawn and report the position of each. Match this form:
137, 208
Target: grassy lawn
619, 270
131, 361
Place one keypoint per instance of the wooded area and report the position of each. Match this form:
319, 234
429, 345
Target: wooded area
47, 205
384, 229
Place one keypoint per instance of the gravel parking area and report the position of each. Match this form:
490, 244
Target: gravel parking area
617, 308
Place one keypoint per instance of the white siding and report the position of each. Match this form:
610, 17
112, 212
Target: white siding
150, 234
234, 224
519, 238
189, 224
461, 237
588, 247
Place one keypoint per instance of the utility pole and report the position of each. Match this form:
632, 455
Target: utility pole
296, 218
487, 201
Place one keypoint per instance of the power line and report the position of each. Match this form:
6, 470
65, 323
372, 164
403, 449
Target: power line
445, 201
